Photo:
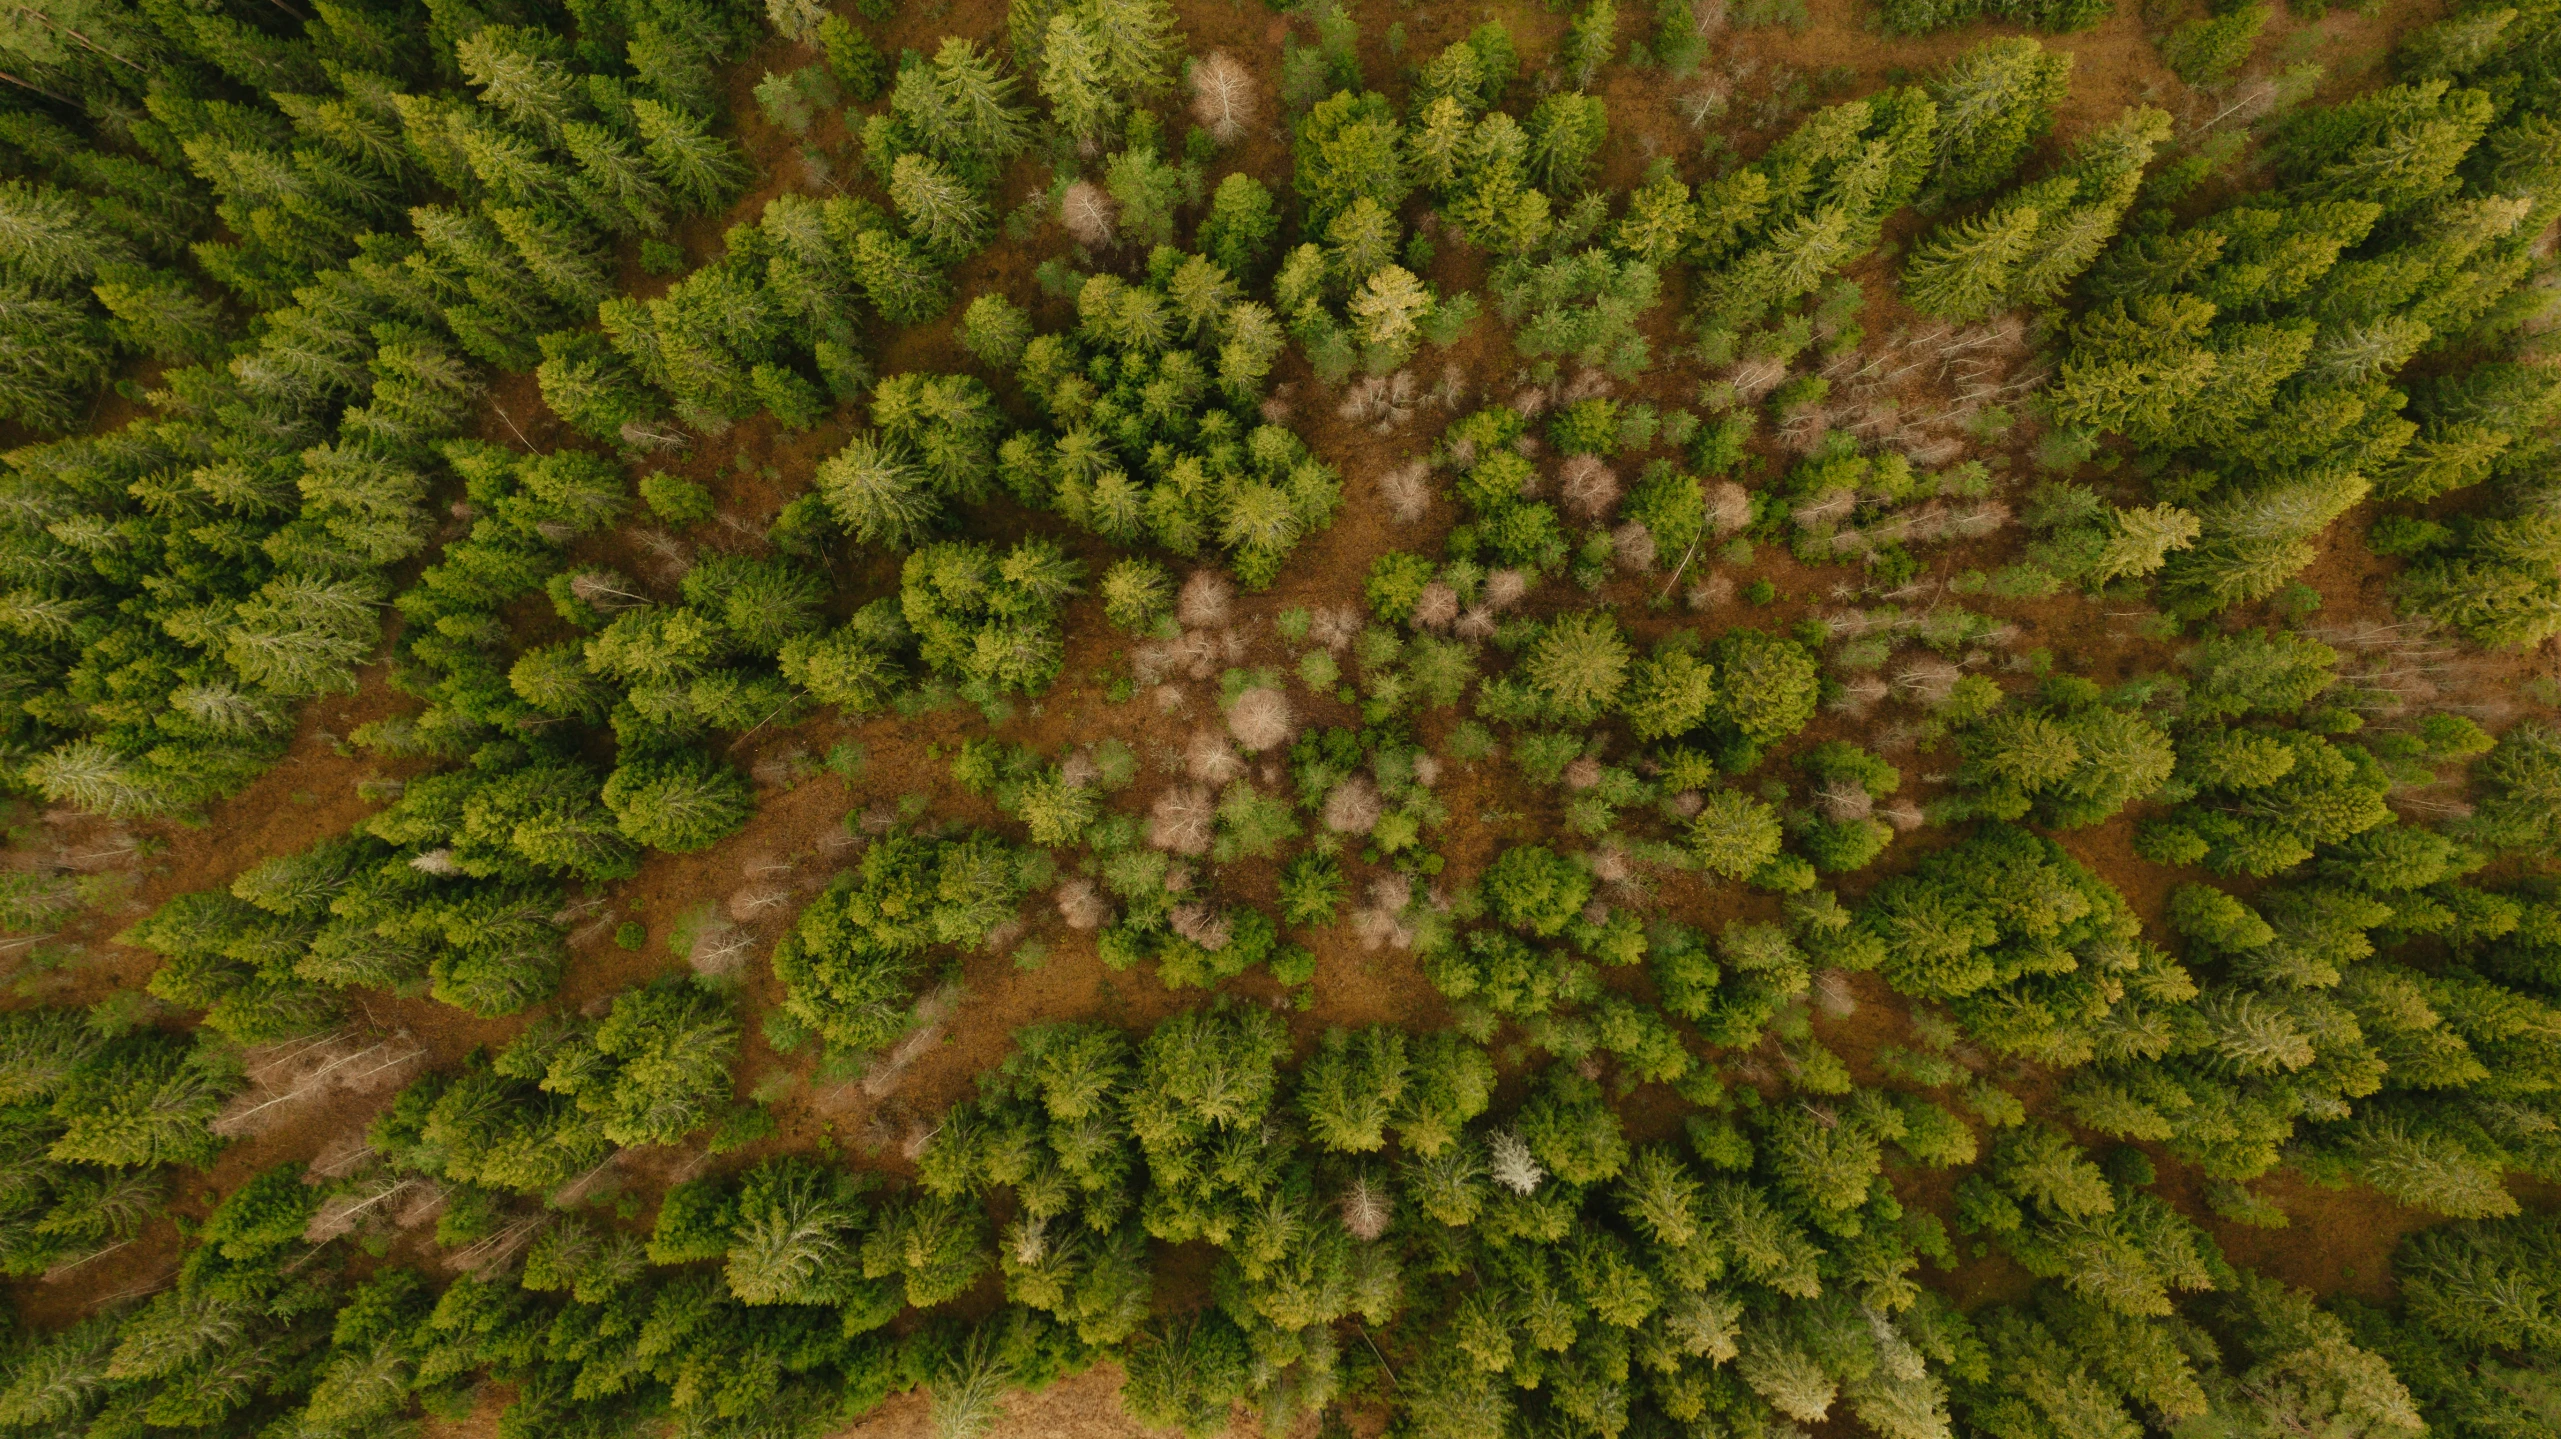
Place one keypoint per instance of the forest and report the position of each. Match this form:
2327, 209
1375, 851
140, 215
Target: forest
1683, 719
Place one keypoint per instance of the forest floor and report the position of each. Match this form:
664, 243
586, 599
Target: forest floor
1767, 77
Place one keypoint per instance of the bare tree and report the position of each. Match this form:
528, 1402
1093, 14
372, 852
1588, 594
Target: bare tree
1223, 98
1086, 210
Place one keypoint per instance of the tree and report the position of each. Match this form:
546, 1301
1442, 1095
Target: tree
850, 961
794, 1235
2293, 1366
1994, 102
1076, 77
2262, 672
2520, 782
940, 210
700, 167
1137, 595
1966, 272
1237, 233
679, 803
1536, 890
653, 1070
1765, 691
1387, 312
981, 126
995, 330
1734, 835
1140, 42
1590, 39
1668, 694
1223, 98
903, 285
1566, 132
302, 635
1348, 146
159, 314
2208, 52
1578, 666
1187, 1371
1353, 1086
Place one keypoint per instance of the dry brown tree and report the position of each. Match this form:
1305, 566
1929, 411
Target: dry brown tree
1223, 98
1086, 210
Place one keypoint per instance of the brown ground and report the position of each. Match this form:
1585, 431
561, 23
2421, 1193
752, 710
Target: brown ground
2342, 1238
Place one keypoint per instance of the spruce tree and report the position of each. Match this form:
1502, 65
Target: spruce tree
1994, 102
877, 494
1965, 272
940, 210
1565, 136
1076, 70
1139, 43
701, 168
903, 285
979, 96
1238, 231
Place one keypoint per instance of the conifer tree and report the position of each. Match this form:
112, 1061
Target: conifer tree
1139, 44
1965, 272
902, 284
1076, 70
1590, 39
1565, 136
1994, 102
701, 168
1237, 233
939, 209
1387, 312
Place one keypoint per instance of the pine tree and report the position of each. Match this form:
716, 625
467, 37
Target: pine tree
1139, 43
1590, 40
1994, 102
878, 494
1565, 136
701, 168
939, 209
1965, 272
1076, 71
903, 285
